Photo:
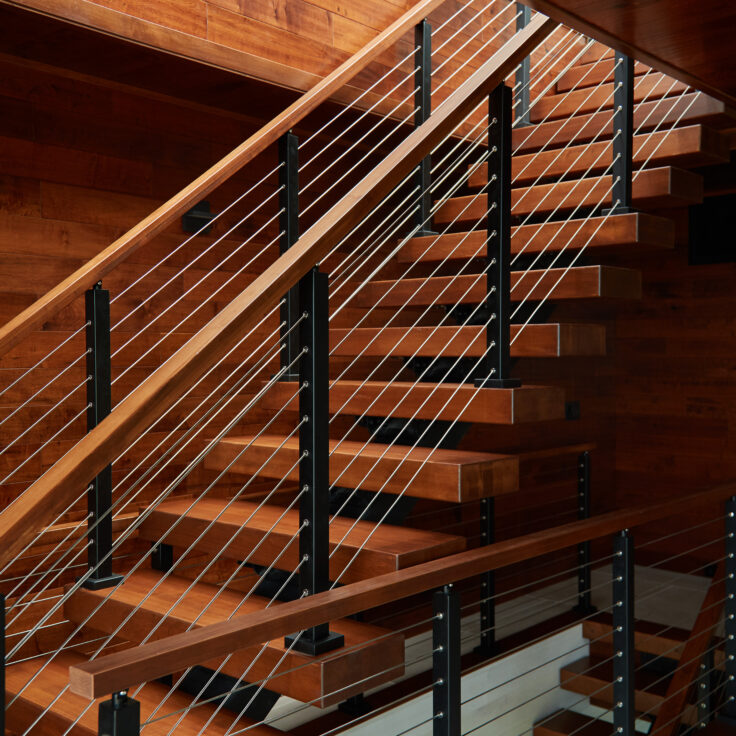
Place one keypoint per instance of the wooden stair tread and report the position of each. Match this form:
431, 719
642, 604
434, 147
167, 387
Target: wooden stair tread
588, 75
568, 722
536, 341
649, 637
615, 232
54, 679
446, 475
581, 282
365, 661
690, 108
662, 187
447, 401
694, 145
580, 101
589, 676
244, 531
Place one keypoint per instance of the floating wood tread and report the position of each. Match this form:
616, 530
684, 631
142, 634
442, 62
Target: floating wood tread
582, 282
259, 534
420, 472
446, 401
664, 187
62, 712
612, 234
694, 145
535, 341
568, 722
367, 657
588, 75
589, 676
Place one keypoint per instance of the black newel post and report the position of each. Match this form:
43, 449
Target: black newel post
446, 700
289, 227
584, 605
623, 634
423, 109
729, 708
119, 716
623, 133
487, 646
522, 98
497, 364
99, 493
314, 471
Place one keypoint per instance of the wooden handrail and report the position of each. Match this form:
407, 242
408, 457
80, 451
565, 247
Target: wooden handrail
54, 490
124, 669
96, 268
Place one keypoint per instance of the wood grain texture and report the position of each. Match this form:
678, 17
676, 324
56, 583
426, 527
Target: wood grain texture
122, 670
48, 495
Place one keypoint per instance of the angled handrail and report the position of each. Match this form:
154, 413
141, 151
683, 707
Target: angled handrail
53, 491
122, 670
93, 271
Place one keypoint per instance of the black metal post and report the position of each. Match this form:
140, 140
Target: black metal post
289, 227
99, 403
522, 96
705, 692
623, 133
314, 470
729, 708
584, 605
423, 104
446, 663
119, 716
623, 634
487, 646
498, 259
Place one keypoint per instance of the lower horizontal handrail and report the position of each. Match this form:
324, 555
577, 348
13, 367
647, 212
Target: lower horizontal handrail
122, 670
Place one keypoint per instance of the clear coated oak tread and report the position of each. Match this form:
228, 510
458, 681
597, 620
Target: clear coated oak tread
371, 655
258, 535
590, 675
536, 341
447, 401
582, 282
443, 475
54, 679
606, 234
663, 187
570, 723
694, 145
587, 75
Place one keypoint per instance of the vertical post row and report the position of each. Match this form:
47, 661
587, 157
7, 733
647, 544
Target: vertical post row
487, 646
446, 663
119, 716
99, 402
423, 105
498, 259
584, 605
623, 634
314, 475
289, 227
623, 133
729, 708
523, 73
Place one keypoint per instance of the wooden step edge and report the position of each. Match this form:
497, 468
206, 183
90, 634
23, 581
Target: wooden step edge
570, 723
617, 232
524, 404
583, 76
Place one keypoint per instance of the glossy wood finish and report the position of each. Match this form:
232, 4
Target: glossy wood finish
692, 146
582, 282
118, 671
443, 475
447, 401
42, 692
52, 492
534, 341
259, 535
652, 188
614, 234
371, 655
690, 41
588, 75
